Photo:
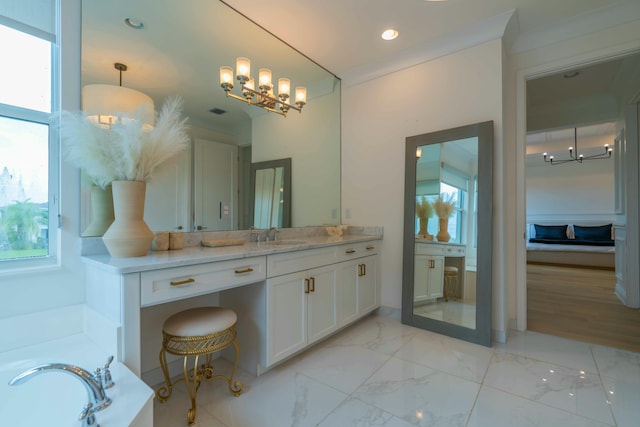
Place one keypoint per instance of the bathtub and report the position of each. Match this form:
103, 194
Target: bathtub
56, 399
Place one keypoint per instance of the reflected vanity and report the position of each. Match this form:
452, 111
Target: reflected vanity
447, 276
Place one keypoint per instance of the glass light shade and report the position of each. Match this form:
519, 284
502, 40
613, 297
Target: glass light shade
301, 94
264, 77
243, 67
104, 103
284, 86
226, 74
418, 152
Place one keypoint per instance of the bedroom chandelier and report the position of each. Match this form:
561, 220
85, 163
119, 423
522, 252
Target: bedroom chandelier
574, 156
264, 96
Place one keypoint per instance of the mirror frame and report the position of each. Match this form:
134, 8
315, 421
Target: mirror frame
286, 196
482, 332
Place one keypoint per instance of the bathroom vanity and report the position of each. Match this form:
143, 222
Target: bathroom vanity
288, 294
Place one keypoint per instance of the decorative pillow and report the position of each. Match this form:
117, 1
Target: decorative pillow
598, 233
551, 231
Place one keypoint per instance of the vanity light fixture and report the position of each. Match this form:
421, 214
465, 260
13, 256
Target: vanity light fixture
264, 96
103, 104
418, 152
574, 156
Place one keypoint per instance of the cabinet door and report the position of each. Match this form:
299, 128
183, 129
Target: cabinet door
421, 273
215, 186
349, 292
367, 280
322, 313
428, 277
436, 277
167, 196
287, 316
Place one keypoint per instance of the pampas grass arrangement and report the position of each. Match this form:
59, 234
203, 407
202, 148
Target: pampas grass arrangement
124, 151
424, 209
444, 205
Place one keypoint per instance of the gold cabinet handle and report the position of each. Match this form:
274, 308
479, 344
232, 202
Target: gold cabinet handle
364, 269
350, 251
360, 270
306, 286
370, 248
182, 282
313, 284
245, 270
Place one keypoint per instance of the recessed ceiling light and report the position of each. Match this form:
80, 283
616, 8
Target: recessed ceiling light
134, 23
389, 34
571, 74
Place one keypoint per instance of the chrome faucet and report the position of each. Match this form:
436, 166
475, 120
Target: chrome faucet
94, 384
272, 234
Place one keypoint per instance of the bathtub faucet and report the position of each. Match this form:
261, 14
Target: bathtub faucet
93, 383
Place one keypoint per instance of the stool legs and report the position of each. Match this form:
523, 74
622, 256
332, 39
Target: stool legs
194, 376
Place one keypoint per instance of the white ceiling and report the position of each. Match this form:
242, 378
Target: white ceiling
344, 36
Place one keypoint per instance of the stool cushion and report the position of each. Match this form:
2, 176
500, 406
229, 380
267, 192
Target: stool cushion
451, 269
200, 321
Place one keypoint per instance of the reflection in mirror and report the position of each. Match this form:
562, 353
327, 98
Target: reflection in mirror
185, 61
447, 257
271, 189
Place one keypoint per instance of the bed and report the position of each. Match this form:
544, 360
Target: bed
570, 244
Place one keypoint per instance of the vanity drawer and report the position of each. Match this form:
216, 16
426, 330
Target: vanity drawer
357, 250
454, 251
177, 283
291, 262
440, 249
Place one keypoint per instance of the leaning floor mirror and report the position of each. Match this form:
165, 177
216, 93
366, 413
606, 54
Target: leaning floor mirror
447, 278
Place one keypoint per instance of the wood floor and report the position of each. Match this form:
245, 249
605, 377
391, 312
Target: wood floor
580, 304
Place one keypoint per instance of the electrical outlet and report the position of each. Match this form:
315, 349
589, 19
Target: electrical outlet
334, 213
347, 213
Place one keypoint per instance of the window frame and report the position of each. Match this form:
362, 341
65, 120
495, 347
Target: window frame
52, 259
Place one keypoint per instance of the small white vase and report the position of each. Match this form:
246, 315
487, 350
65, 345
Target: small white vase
101, 211
129, 235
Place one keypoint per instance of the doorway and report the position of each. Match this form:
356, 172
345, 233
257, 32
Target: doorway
549, 119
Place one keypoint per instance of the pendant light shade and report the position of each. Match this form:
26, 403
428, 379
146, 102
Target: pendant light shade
104, 103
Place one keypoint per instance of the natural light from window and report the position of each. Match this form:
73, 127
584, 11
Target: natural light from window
25, 104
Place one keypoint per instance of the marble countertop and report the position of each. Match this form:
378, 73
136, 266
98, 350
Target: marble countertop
192, 255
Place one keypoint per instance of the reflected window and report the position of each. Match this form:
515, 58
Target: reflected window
457, 221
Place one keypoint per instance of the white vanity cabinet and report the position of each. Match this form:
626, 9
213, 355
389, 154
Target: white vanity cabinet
428, 279
285, 300
301, 309
430, 261
305, 306
359, 292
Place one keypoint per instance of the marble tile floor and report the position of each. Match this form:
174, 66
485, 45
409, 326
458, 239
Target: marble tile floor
451, 311
379, 372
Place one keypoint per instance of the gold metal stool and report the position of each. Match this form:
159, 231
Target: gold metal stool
450, 281
195, 332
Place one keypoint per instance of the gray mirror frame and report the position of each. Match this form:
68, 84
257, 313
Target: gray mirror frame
286, 197
482, 333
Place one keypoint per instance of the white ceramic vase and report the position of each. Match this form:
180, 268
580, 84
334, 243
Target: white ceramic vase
129, 235
102, 215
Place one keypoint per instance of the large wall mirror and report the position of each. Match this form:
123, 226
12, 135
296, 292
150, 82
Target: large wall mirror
447, 280
178, 50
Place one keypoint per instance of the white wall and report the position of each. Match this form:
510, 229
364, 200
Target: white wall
377, 116
570, 189
314, 148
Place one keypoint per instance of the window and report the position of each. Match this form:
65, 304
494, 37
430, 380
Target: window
28, 147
